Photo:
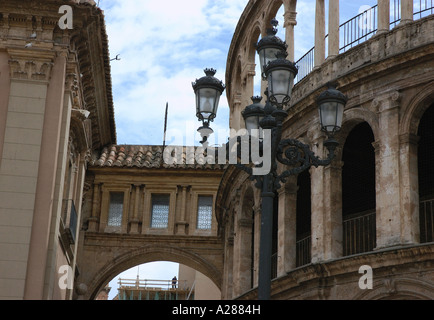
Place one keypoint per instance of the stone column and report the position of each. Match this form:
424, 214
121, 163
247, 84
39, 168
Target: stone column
383, 16
333, 38
249, 74
289, 24
236, 117
333, 210
257, 239
319, 33
243, 262
409, 175
387, 149
318, 220
242, 248
406, 11
286, 233
228, 257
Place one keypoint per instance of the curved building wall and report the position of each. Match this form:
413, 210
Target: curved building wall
389, 80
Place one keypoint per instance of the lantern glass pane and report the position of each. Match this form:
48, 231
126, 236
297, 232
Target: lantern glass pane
208, 99
331, 114
280, 82
252, 123
266, 55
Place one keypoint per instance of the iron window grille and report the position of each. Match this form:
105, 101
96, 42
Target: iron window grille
116, 209
160, 211
204, 212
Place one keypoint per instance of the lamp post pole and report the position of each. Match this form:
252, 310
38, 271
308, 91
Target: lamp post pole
293, 154
265, 254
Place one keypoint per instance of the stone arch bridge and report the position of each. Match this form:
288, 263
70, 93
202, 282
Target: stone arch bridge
138, 209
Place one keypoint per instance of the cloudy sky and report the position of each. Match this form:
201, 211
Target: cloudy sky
164, 47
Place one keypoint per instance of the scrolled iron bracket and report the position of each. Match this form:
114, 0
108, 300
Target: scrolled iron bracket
300, 157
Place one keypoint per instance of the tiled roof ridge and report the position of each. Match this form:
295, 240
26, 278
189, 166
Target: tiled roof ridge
148, 156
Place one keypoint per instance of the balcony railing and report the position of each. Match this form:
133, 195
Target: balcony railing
361, 27
138, 289
426, 219
303, 251
359, 233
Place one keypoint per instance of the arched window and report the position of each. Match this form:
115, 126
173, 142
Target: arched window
426, 175
358, 191
303, 218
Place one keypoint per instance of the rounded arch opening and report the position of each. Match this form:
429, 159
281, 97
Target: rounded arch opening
425, 158
359, 191
149, 254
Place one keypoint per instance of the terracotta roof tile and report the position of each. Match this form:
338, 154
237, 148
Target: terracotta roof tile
142, 156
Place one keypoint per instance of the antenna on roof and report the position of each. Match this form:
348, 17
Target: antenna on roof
165, 128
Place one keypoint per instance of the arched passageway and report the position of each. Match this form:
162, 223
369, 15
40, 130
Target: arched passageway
426, 175
358, 191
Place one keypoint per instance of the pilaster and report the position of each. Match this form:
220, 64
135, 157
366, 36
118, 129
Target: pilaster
286, 232
318, 228
387, 158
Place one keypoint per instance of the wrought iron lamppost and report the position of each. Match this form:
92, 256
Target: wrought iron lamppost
295, 155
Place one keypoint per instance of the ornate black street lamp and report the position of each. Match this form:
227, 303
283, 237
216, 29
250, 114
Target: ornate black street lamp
269, 46
292, 153
208, 90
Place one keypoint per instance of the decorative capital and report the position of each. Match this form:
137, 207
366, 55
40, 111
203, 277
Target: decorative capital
386, 101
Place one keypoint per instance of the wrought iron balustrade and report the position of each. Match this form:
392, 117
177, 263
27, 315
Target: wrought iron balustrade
303, 250
359, 233
361, 27
426, 220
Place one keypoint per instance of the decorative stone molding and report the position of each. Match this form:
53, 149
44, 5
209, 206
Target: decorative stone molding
23, 69
386, 101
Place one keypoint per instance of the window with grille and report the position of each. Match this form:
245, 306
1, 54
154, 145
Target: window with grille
204, 212
116, 209
160, 211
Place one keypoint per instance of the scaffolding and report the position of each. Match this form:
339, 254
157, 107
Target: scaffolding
138, 289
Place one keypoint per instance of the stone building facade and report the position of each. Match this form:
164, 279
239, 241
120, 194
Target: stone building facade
71, 197
55, 108
373, 205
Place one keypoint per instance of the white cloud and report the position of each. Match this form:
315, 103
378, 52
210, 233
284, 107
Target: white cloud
162, 52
